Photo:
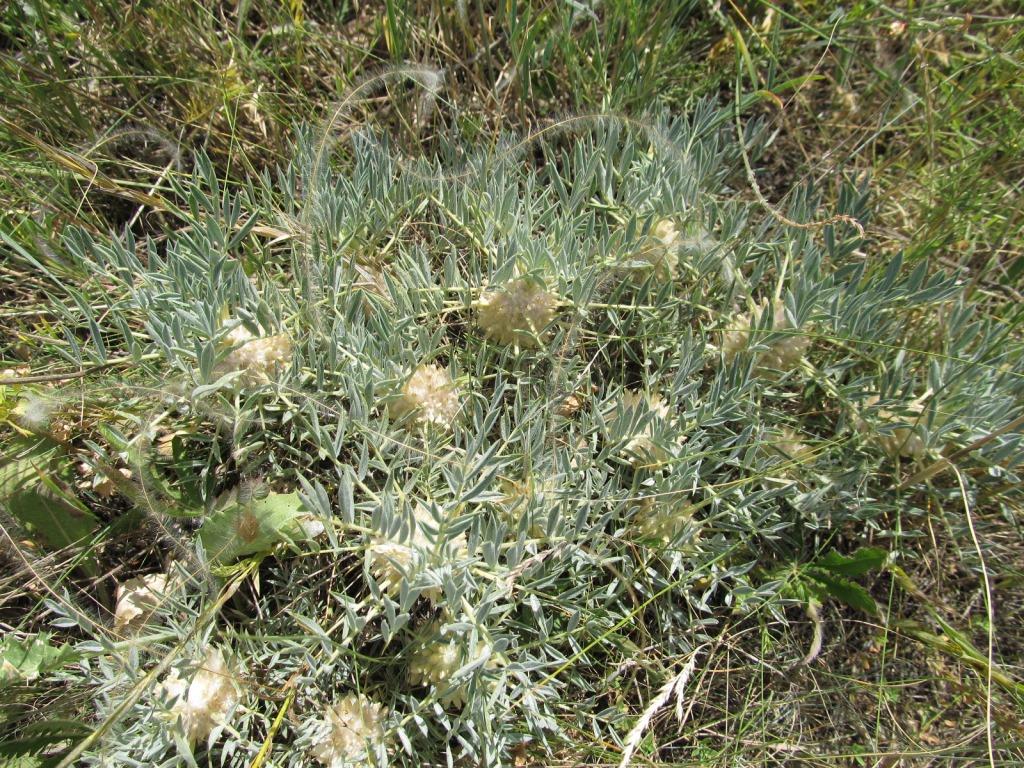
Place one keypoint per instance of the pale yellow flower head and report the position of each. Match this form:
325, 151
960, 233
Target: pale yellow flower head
137, 600
663, 519
259, 359
428, 397
518, 312
783, 355
785, 453
904, 441
519, 495
641, 448
660, 249
393, 561
437, 658
349, 733
205, 701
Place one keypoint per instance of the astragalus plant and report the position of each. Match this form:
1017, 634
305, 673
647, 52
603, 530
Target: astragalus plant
461, 459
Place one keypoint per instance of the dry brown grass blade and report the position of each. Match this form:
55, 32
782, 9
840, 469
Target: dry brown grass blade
948, 461
85, 169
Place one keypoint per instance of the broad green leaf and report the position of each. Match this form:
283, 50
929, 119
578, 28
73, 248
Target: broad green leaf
31, 491
239, 528
860, 562
844, 590
24, 661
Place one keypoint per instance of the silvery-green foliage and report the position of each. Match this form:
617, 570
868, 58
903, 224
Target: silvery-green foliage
371, 271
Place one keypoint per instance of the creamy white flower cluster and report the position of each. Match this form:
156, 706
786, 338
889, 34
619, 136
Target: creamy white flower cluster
350, 732
259, 359
666, 245
903, 441
41, 415
206, 700
519, 495
137, 601
665, 519
34, 412
784, 447
428, 397
785, 455
436, 659
660, 249
641, 448
791, 444
518, 313
782, 355
393, 561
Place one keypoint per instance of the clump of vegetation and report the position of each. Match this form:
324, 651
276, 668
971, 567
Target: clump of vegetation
425, 450
404, 488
